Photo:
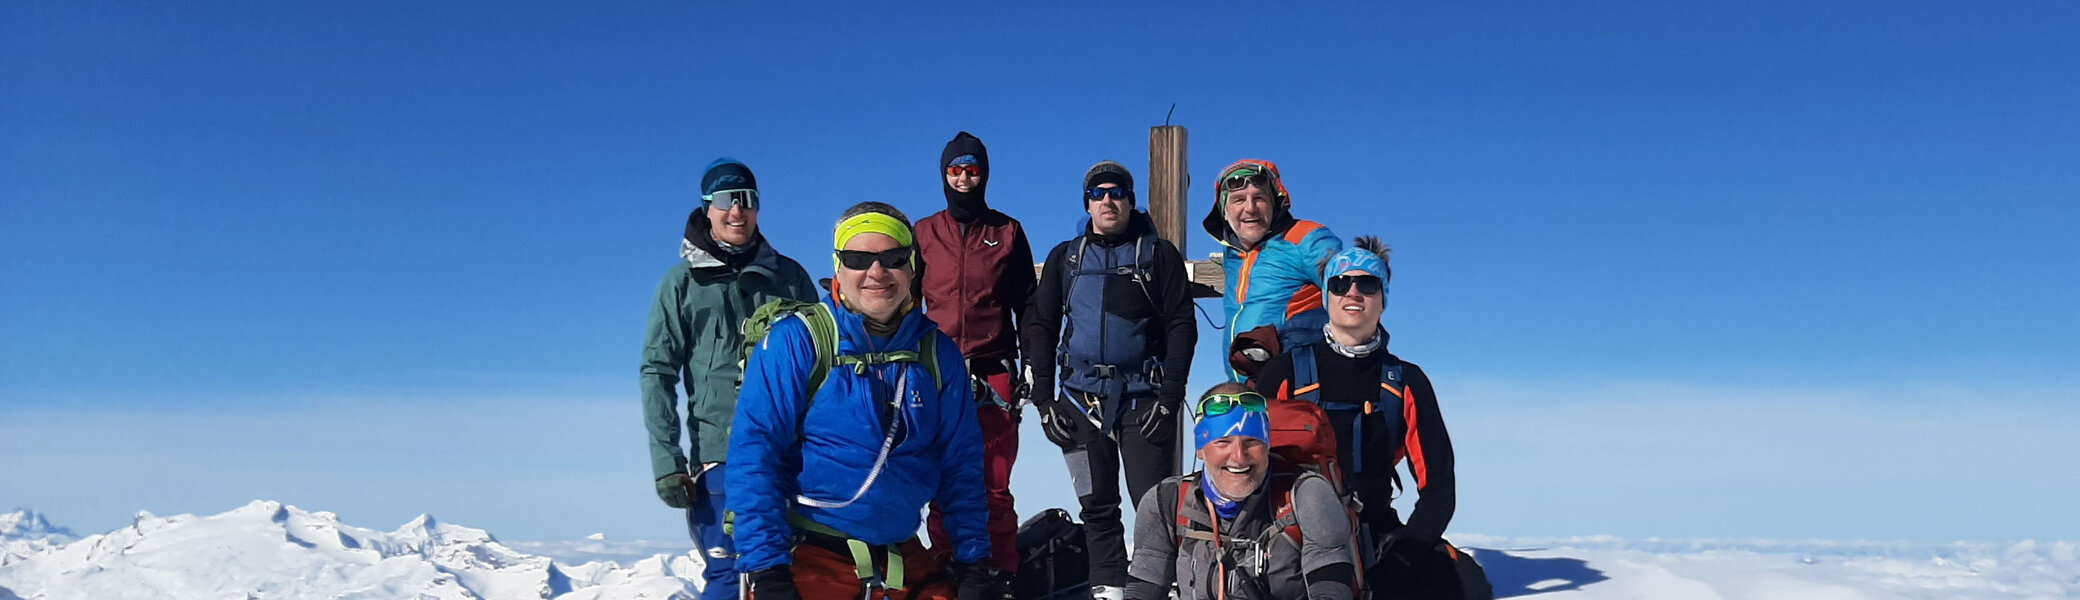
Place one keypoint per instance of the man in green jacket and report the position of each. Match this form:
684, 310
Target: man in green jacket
694, 338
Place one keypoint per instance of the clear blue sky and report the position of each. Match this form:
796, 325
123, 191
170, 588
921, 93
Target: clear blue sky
1681, 269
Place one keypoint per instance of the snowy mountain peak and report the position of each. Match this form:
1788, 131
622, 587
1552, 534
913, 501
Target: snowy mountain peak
25, 524
288, 552
432, 531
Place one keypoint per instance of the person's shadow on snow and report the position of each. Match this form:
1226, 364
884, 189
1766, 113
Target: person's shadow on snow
1514, 576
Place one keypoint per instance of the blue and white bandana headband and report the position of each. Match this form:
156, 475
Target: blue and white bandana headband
1252, 423
1358, 259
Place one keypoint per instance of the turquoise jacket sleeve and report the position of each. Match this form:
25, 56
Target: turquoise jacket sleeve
1316, 246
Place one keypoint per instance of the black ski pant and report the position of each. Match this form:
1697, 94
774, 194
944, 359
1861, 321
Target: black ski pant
1143, 445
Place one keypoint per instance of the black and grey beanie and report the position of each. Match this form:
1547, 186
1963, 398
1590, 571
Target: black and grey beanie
1109, 172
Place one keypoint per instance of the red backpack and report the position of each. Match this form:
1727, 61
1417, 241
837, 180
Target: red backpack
1300, 434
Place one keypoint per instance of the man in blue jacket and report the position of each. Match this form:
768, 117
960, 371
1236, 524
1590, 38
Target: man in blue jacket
1273, 261
841, 452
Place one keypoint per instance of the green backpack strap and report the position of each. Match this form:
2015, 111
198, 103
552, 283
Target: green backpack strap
926, 355
816, 316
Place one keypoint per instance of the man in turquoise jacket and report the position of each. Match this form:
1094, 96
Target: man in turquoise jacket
1271, 258
693, 338
830, 466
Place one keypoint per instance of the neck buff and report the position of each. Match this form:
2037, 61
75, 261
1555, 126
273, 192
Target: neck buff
699, 235
1358, 351
1222, 505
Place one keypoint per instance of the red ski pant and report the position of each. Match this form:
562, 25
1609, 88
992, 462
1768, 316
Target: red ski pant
822, 573
999, 451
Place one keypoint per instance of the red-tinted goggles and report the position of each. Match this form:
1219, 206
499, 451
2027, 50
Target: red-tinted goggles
960, 170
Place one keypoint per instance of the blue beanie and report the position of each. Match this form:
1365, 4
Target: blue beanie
1252, 423
727, 174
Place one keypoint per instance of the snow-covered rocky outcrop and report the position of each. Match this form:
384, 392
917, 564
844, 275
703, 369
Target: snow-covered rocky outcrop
269, 550
24, 533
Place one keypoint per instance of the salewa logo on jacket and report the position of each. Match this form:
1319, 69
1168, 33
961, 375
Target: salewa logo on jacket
992, 243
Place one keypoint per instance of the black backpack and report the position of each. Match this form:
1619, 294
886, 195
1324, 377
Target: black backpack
1053, 563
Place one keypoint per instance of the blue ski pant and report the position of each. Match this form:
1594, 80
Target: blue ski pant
718, 551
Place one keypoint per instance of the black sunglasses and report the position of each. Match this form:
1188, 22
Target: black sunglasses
1115, 193
1367, 284
861, 260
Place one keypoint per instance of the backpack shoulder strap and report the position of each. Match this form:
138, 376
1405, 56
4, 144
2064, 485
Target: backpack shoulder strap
1307, 383
1282, 517
1144, 266
823, 336
1073, 264
1391, 388
1179, 523
928, 355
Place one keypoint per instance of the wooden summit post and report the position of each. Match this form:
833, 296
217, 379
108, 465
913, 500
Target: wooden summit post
1169, 187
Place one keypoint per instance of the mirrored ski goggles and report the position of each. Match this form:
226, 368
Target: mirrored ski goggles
1367, 284
1244, 179
959, 170
726, 199
1112, 193
1221, 404
861, 260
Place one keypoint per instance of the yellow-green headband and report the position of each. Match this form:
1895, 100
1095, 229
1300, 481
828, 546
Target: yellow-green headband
871, 222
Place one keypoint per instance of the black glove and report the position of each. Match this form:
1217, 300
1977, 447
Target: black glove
1406, 548
774, 583
1156, 420
978, 582
1057, 421
678, 490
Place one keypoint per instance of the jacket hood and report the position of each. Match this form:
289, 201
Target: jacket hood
700, 249
1216, 222
965, 206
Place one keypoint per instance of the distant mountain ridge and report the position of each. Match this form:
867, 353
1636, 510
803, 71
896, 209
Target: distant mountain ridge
25, 524
268, 550
280, 551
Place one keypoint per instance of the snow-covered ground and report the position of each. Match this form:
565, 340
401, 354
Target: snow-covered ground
269, 550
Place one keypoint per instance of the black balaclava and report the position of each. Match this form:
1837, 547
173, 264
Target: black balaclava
965, 206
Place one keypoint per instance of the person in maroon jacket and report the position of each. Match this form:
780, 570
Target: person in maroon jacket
978, 271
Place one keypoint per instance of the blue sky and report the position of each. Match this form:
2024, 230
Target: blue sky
1680, 269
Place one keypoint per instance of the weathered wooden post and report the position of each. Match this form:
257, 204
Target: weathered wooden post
1169, 191
1167, 183
1169, 188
